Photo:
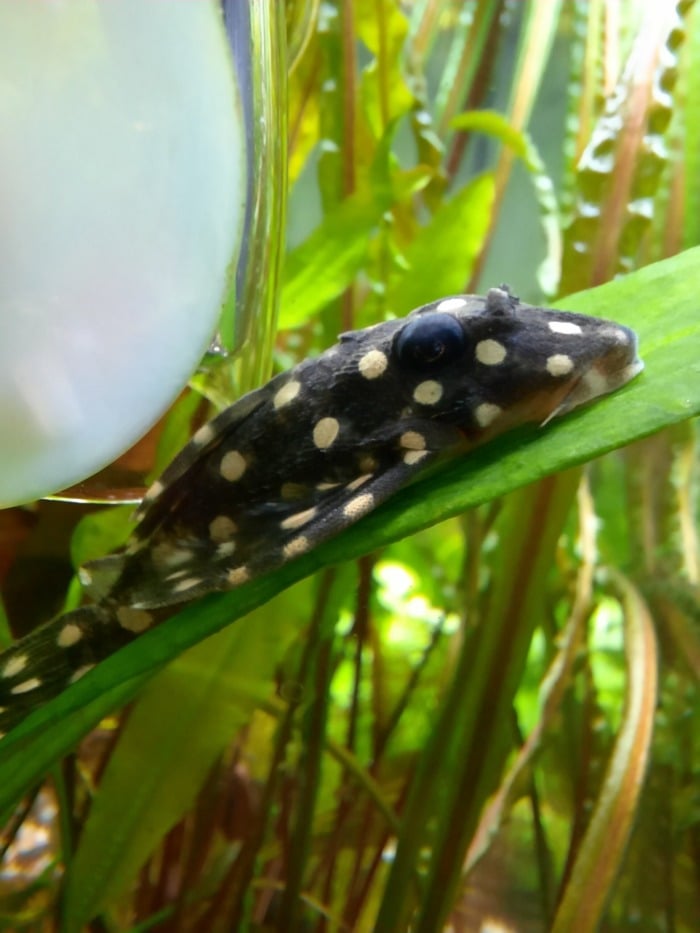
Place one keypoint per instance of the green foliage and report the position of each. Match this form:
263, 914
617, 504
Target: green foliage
502, 703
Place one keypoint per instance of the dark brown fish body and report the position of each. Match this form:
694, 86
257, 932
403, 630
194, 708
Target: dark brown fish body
293, 463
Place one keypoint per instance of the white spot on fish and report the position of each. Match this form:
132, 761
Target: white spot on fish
490, 352
233, 466
450, 304
238, 575
222, 528
178, 575
301, 518
134, 620
85, 576
26, 686
69, 635
412, 440
359, 505
286, 394
325, 432
428, 392
155, 490
187, 584
166, 554
564, 327
15, 665
486, 413
296, 546
360, 481
373, 364
559, 365
411, 457
205, 434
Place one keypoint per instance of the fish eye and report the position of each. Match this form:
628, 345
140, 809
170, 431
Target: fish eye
430, 341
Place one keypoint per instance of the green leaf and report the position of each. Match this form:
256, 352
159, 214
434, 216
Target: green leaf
441, 257
660, 302
324, 265
100, 533
197, 704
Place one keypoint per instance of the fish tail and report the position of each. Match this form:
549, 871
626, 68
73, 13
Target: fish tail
44, 663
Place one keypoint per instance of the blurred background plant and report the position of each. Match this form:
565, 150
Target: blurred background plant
495, 720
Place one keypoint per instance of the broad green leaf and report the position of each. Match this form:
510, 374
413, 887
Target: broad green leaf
441, 257
660, 302
101, 532
326, 262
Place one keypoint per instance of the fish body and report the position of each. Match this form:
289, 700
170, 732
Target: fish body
298, 460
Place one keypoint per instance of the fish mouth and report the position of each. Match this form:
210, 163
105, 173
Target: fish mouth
607, 374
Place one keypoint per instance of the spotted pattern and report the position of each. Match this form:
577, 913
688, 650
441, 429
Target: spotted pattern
286, 394
325, 432
26, 686
381, 404
69, 635
222, 528
166, 555
566, 328
233, 465
373, 364
359, 505
450, 304
490, 352
178, 575
238, 576
428, 393
360, 481
301, 518
412, 457
134, 620
15, 665
153, 492
412, 440
205, 434
559, 364
486, 413
296, 546
188, 583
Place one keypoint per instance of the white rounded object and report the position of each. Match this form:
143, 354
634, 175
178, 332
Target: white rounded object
122, 189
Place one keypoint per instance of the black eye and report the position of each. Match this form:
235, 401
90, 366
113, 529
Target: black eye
430, 340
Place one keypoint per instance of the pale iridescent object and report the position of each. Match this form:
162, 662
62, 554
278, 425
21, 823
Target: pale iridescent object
122, 189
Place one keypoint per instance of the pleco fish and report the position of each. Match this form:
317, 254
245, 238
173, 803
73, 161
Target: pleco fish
293, 463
